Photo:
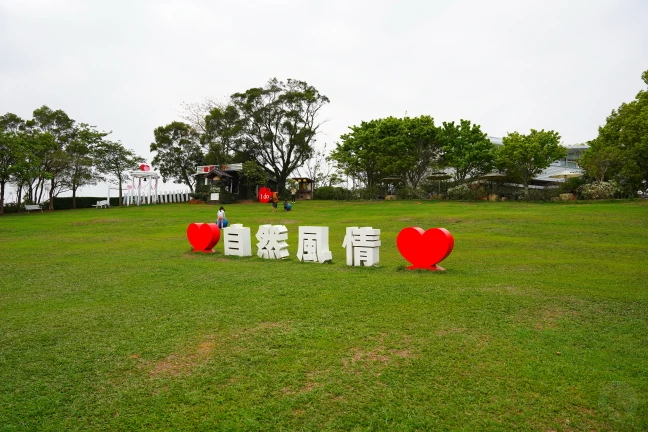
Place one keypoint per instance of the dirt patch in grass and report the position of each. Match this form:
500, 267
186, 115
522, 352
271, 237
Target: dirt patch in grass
377, 358
183, 363
288, 222
308, 386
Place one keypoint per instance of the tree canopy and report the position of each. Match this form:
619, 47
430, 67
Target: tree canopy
621, 149
278, 124
406, 148
466, 150
114, 160
178, 152
523, 157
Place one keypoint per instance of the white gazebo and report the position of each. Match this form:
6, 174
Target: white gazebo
144, 186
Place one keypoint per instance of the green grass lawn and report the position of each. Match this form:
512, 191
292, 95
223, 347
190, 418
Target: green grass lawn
540, 323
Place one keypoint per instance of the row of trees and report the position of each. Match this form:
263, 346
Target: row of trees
273, 126
410, 148
51, 153
620, 151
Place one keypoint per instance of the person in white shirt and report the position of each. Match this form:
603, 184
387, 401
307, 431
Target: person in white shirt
220, 217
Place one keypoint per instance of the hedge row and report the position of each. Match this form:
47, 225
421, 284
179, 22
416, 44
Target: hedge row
64, 203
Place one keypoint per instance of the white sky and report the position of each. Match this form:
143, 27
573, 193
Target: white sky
507, 65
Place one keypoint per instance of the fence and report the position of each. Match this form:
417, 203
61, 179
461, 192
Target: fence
155, 197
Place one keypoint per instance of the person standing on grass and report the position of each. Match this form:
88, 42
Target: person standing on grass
293, 194
275, 200
220, 217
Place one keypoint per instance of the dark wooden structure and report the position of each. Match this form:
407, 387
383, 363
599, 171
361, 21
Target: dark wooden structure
304, 188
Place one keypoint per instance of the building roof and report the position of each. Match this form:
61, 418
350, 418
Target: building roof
215, 172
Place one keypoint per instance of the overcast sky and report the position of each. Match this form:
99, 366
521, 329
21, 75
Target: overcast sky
507, 65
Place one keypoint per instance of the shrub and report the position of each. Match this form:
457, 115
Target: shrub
462, 192
65, 203
200, 196
370, 193
407, 192
546, 194
600, 190
572, 185
332, 193
11, 208
226, 197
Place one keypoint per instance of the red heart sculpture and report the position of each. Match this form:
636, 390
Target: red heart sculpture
203, 236
264, 195
424, 249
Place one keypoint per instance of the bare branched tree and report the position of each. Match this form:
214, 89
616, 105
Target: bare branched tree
318, 168
194, 113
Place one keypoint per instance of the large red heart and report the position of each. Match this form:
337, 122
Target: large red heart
264, 195
425, 249
203, 236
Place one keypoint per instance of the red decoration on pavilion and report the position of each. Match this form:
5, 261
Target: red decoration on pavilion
145, 167
264, 195
203, 236
425, 249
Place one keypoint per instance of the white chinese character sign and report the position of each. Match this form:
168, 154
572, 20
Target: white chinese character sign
237, 240
314, 244
425, 249
362, 246
272, 241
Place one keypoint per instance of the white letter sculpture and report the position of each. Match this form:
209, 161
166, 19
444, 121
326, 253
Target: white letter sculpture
237, 240
362, 246
272, 241
314, 244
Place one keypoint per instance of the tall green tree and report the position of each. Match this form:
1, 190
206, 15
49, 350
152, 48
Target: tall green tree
222, 137
422, 150
279, 124
403, 147
523, 157
10, 150
60, 127
359, 154
28, 167
178, 152
79, 170
466, 150
599, 160
626, 130
114, 161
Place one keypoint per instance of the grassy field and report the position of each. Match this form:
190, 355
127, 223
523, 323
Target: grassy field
107, 322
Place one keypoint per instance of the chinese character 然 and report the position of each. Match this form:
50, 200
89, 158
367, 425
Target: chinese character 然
362, 246
313, 244
237, 240
272, 241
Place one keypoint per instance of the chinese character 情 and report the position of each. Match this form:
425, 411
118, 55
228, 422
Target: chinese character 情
362, 246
